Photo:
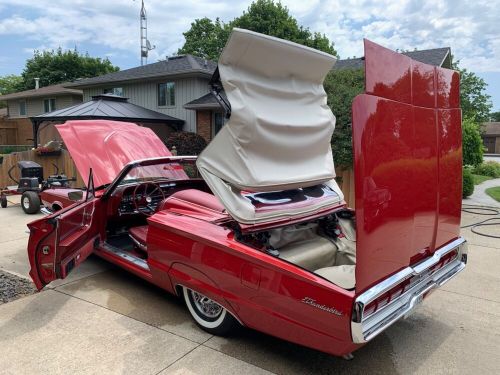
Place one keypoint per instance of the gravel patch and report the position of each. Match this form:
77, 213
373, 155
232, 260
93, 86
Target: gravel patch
13, 287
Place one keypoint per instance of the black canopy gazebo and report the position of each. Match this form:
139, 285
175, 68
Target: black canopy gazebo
105, 107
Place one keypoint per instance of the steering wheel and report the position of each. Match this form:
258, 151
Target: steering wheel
143, 197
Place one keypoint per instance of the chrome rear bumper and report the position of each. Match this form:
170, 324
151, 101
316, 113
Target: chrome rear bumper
364, 328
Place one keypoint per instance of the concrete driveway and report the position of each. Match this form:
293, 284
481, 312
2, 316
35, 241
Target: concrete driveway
101, 320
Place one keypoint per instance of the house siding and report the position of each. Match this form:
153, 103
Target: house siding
34, 106
145, 95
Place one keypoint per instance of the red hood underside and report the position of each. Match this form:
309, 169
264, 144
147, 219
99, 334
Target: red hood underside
107, 146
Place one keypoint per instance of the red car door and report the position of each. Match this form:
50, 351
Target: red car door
60, 242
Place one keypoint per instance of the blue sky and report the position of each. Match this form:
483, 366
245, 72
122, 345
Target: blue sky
110, 28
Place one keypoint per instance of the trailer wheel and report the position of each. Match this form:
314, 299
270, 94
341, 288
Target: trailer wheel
30, 202
3, 201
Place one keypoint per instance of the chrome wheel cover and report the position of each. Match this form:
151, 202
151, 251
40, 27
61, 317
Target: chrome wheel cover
206, 306
26, 203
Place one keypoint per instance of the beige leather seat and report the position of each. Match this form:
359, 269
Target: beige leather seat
343, 276
310, 254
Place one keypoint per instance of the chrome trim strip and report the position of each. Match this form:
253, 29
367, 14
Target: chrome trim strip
124, 255
46, 211
364, 329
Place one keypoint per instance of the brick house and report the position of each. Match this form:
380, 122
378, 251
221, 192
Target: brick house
15, 124
165, 87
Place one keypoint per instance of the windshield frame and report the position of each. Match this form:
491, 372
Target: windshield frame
143, 163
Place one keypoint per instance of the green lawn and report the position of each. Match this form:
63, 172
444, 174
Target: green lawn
494, 192
480, 178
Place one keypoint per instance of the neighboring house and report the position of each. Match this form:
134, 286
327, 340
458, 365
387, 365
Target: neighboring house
165, 86
209, 113
179, 87
16, 125
491, 137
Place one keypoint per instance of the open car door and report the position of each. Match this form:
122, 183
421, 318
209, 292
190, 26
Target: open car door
60, 242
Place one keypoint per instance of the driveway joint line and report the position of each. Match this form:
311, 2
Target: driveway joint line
130, 317
467, 295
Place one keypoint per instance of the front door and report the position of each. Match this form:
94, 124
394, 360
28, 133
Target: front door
60, 242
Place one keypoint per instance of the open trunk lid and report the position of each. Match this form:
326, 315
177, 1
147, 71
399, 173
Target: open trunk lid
408, 163
272, 161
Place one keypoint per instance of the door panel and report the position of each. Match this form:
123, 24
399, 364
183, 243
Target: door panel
62, 241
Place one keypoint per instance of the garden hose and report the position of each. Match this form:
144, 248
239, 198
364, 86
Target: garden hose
483, 211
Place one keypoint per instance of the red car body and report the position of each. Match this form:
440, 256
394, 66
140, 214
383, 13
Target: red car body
407, 162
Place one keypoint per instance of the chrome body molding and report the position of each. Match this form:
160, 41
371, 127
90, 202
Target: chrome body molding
124, 255
364, 328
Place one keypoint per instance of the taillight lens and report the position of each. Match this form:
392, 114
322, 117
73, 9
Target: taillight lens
404, 286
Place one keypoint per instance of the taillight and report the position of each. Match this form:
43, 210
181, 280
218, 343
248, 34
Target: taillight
405, 285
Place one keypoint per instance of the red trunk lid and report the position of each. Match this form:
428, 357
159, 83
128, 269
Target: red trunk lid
408, 163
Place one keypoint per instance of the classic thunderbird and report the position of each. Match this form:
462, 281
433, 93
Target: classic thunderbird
255, 231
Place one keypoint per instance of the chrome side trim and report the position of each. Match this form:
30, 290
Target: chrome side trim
124, 255
364, 329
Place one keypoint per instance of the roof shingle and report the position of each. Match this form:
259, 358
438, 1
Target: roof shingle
172, 66
59, 89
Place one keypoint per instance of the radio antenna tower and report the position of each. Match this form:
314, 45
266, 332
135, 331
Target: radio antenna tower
145, 44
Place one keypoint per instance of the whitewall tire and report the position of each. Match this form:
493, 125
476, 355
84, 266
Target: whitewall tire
208, 314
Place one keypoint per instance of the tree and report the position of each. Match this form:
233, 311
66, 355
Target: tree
472, 144
495, 116
9, 83
206, 38
59, 66
341, 87
476, 104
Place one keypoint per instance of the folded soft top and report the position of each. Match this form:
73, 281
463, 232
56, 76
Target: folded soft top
278, 135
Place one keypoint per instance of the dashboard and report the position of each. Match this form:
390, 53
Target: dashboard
123, 203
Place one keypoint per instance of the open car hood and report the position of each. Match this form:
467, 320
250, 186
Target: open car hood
272, 160
107, 146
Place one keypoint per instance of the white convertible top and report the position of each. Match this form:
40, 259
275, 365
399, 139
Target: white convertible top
278, 135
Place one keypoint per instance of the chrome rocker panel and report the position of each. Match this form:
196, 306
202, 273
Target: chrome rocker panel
364, 329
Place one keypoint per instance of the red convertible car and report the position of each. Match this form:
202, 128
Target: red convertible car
255, 231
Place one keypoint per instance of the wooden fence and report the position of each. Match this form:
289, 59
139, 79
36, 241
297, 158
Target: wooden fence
63, 162
66, 165
347, 185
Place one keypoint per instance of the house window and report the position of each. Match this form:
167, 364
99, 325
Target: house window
218, 122
118, 91
49, 105
22, 108
166, 94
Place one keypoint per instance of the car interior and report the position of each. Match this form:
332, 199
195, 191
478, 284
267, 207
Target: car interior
325, 246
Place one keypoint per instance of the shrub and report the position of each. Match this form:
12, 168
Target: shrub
472, 152
186, 143
489, 168
467, 183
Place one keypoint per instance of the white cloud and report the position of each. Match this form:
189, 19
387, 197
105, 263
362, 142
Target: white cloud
469, 28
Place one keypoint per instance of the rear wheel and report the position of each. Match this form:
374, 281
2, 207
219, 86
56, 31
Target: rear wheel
3, 201
208, 314
30, 202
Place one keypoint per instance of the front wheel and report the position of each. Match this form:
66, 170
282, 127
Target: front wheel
3, 201
30, 202
208, 314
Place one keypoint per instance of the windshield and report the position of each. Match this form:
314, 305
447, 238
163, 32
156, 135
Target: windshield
182, 170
